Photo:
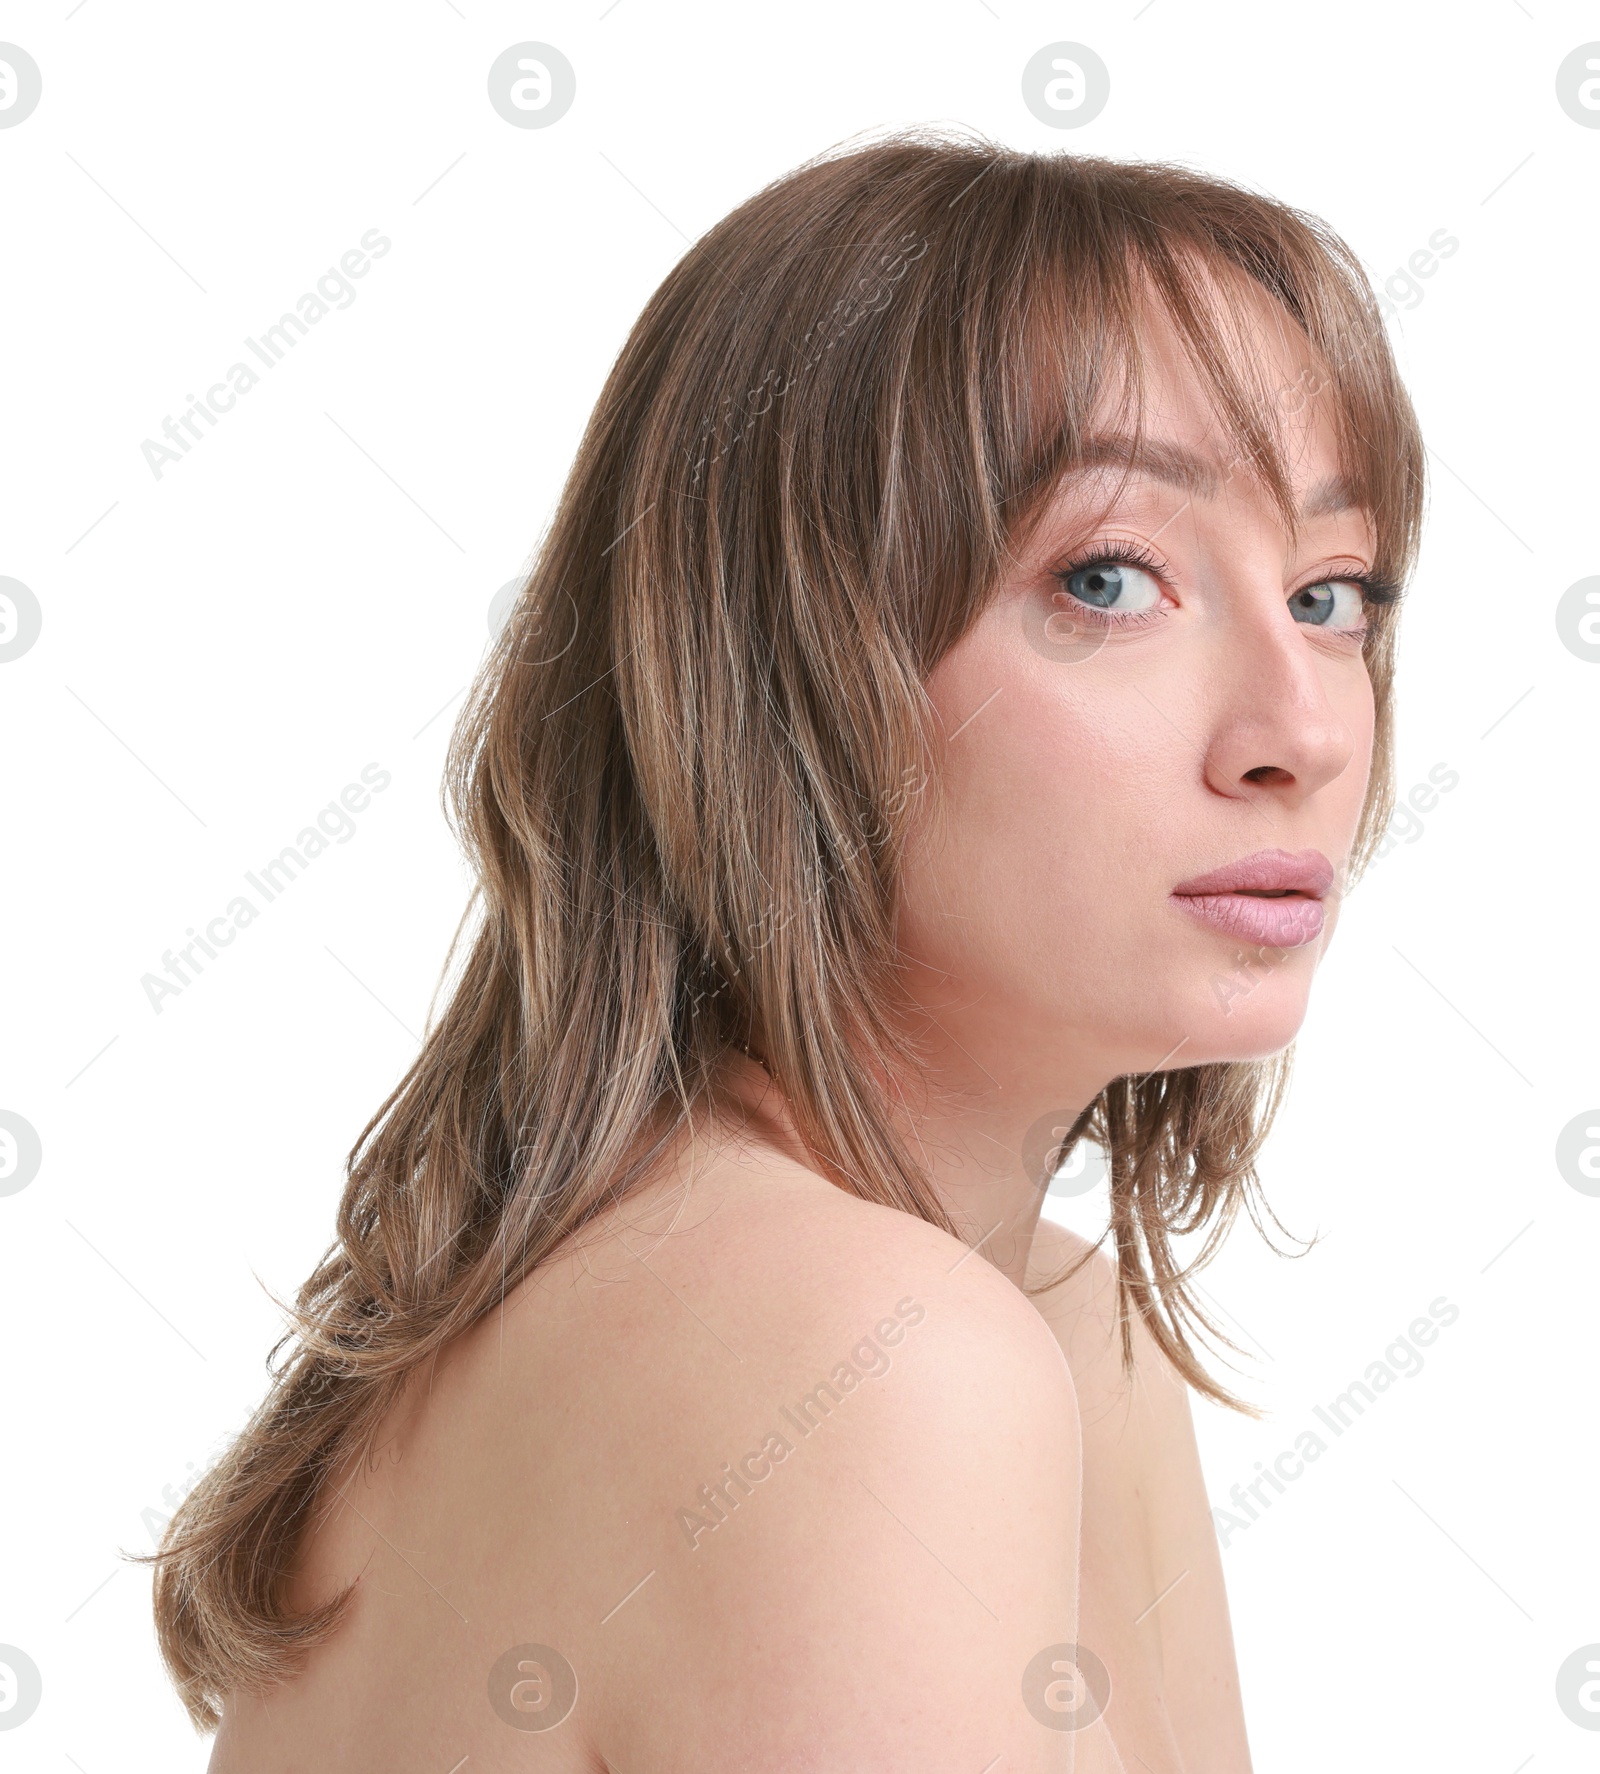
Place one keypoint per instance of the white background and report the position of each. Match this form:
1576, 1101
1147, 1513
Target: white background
223, 649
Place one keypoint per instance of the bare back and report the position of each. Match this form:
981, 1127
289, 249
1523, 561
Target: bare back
703, 1467
710, 1434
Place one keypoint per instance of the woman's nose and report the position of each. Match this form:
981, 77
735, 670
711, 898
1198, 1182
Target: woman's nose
1274, 725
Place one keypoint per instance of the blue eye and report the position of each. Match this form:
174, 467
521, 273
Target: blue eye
1334, 603
1112, 585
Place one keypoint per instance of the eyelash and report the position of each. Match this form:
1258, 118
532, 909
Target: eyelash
1374, 589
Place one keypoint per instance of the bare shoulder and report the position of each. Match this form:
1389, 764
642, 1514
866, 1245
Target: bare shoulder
1138, 1422
1082, 1310
839, 1458
1093, 1274
756, 1276
758, 1256
1076, 1284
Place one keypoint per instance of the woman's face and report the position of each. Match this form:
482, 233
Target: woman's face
1116, 730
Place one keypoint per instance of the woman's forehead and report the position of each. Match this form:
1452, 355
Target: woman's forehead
1201, 473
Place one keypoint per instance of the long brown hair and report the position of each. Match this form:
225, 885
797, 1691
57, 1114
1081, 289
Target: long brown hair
685, 772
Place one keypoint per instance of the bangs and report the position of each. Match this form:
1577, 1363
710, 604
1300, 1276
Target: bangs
1082, 339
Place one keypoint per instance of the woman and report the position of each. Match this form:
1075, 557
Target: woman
946, 710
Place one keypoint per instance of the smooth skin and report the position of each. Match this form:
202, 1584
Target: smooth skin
871, 1602
998, 1486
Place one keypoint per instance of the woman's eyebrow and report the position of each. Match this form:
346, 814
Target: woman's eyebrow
1199, 476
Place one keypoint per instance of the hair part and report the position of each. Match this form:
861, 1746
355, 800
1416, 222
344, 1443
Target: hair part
685, 774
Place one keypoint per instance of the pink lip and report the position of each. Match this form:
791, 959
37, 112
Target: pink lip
1228, 898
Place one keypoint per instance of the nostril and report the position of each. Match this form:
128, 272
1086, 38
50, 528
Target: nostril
1268, 773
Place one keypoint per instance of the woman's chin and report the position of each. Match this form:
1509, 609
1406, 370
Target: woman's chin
1206, 1027
1247, 1027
